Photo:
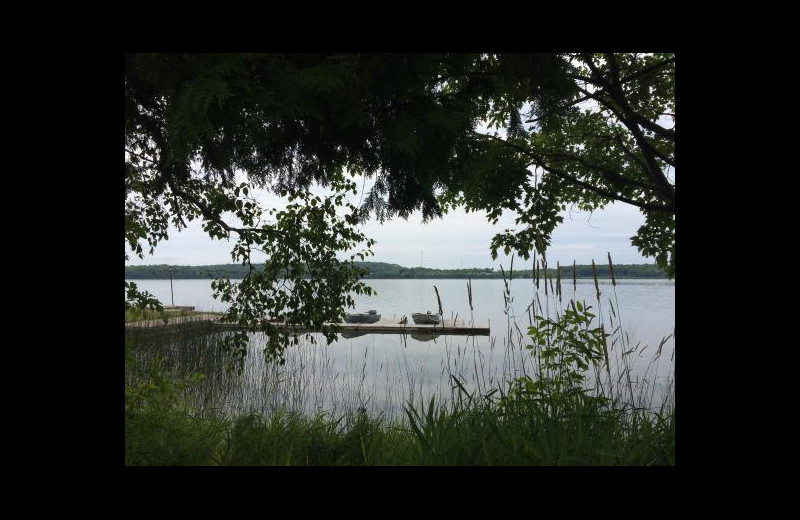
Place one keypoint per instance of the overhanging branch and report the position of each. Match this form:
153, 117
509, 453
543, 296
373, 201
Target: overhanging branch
619, 108
211, 215
538, 160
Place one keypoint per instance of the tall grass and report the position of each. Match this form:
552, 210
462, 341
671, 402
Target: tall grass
474, 431
545, 407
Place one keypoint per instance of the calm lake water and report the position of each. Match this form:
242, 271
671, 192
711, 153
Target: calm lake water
380, 372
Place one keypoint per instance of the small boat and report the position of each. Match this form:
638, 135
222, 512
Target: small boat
426, 319
362, 317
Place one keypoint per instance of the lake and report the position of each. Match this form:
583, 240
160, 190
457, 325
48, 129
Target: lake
379, 372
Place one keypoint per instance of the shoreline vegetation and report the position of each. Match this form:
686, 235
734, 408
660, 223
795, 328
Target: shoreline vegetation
379, 270
513, 431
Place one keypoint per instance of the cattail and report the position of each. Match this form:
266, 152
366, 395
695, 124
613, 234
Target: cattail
558, 280
605, 351
469, 292
574, 277
439, 300
611, 267
596, 285
544, 267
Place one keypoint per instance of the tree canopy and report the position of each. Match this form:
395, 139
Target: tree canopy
564, 129
613, 141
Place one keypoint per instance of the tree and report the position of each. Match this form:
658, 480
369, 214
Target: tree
196, 124
609, 142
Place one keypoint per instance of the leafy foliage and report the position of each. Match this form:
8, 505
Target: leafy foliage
607, 143
159, 425
301, 239
140, 300
564, 349
303, 281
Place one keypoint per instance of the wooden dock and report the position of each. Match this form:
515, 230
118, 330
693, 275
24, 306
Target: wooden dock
448, 327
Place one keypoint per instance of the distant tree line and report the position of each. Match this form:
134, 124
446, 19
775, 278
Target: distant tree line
384, 270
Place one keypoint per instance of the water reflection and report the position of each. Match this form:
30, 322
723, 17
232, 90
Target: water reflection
425, 336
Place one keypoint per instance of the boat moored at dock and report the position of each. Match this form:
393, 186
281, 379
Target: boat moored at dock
426, 318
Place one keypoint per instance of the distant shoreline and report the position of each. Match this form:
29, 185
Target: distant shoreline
381, 270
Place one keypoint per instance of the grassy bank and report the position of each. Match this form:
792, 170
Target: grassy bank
160, 430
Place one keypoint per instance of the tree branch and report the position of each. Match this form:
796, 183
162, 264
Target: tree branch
647, 70
209, 214
632, 156
614, 110
608, 194
609, 175
599, 91
618, 95
542, 163
140, 156
627, 118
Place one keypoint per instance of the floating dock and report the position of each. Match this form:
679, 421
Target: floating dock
461, 328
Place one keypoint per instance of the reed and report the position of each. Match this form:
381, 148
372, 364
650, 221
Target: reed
469, 293
594, 275
611, 268
558, 281
574, 279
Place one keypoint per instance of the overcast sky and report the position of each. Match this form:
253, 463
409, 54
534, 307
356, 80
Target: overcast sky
458, 240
